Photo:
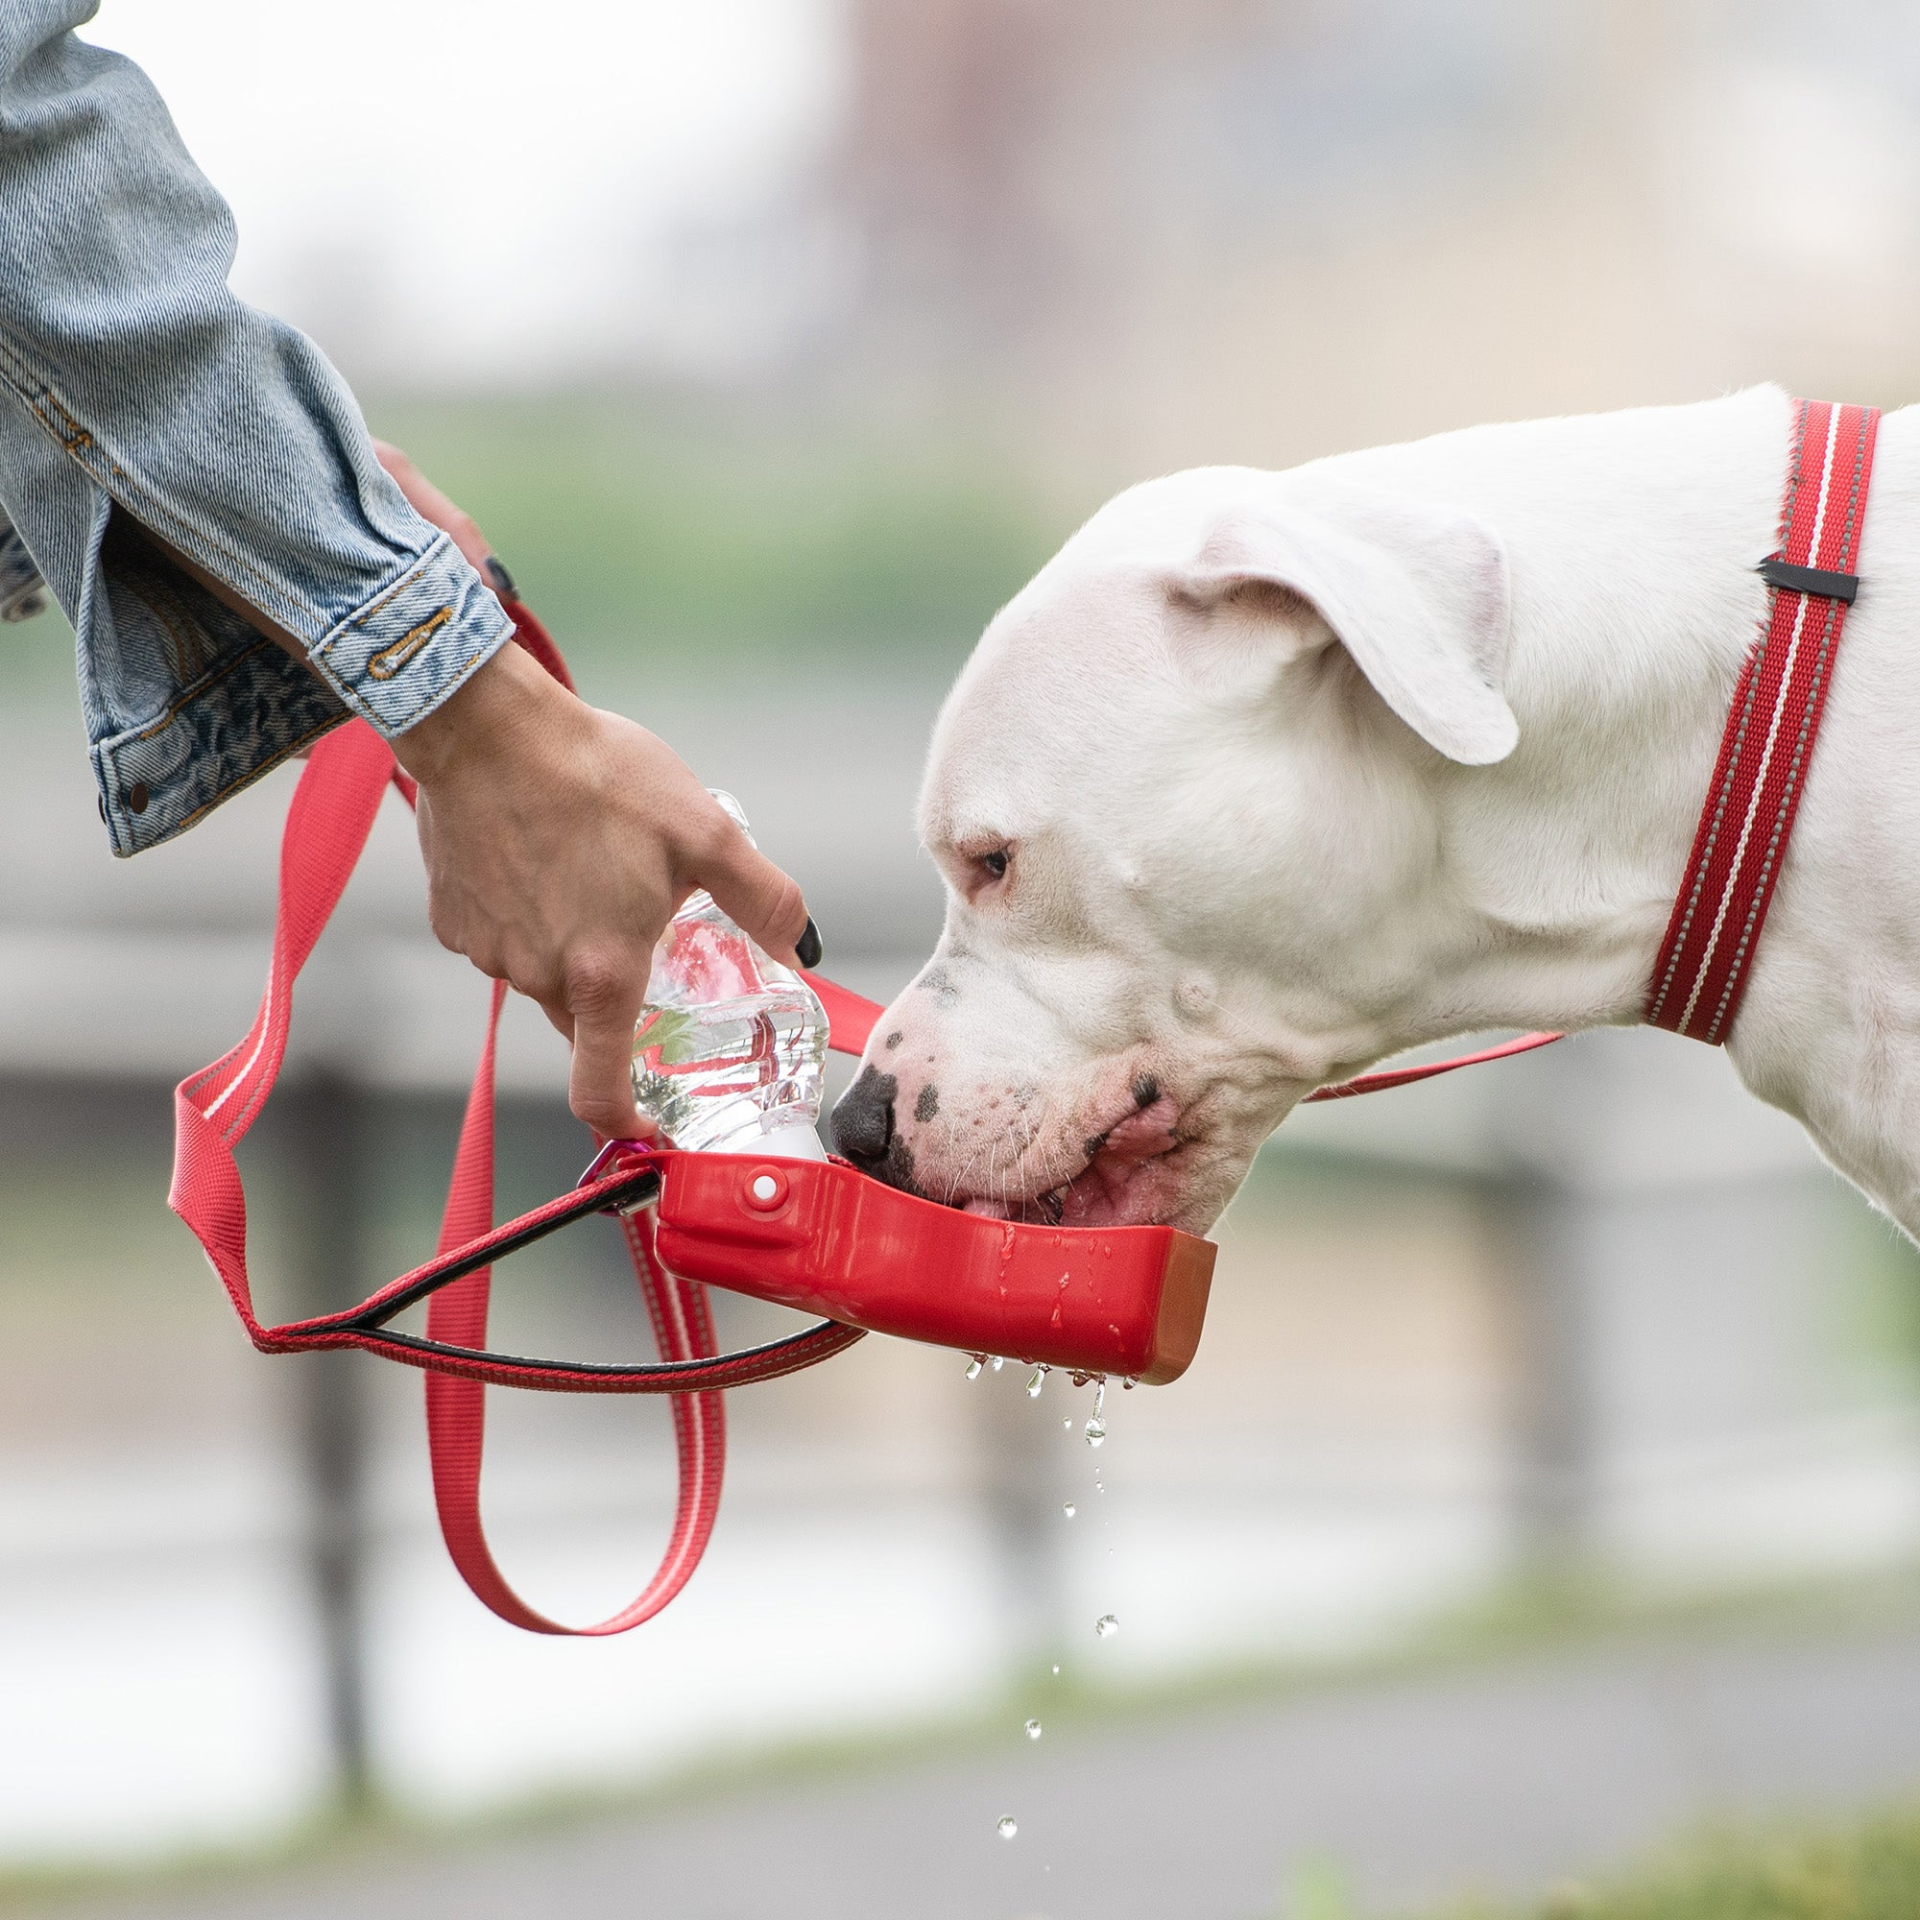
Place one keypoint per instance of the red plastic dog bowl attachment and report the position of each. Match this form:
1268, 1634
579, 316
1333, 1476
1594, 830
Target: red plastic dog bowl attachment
830, 1240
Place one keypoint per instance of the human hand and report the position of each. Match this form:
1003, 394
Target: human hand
558, 842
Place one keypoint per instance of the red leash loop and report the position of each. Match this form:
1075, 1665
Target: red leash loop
326, 829
457, 1407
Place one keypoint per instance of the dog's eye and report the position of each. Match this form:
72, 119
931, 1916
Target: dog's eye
980, 874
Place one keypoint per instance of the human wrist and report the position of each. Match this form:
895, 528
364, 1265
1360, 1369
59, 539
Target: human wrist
508, 698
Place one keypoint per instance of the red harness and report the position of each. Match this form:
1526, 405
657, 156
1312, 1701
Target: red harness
1768, 745
826, 1238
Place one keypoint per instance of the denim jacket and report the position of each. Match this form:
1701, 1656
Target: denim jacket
136, 391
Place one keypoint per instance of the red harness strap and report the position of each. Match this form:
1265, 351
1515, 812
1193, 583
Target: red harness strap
1771, 728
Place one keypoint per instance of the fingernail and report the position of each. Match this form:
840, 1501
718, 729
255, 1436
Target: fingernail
808, 945
499, 579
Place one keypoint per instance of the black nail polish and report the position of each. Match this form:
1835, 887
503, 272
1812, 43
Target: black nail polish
499, 579
808, 945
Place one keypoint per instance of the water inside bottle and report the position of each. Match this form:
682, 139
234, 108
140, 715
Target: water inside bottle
730, 1047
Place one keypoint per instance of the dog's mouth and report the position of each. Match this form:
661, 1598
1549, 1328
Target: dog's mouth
1129, 1177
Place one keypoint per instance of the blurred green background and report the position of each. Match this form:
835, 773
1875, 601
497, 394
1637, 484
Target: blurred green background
694, 534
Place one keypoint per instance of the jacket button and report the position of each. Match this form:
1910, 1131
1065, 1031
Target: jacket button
138, 796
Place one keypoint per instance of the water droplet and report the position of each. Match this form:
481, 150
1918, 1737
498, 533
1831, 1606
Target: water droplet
1106, 1626
974, 1365
1069, 1509
1129, 1384
1067, 1423
1056, 1666
1008, 1826
1038, 1381
1097, 1426
1033, 1726
1080, 1379
999, 1361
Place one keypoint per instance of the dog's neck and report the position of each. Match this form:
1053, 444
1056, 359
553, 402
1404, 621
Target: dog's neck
1633, 609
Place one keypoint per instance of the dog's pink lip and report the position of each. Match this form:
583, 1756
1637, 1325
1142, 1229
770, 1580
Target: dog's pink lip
1115, 1187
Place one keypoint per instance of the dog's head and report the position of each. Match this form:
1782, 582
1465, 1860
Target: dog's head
1182, 797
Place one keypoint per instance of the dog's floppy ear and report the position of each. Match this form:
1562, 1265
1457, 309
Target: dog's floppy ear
1416, 594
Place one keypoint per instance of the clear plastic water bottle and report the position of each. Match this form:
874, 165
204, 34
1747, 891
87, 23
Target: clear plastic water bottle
729, 1051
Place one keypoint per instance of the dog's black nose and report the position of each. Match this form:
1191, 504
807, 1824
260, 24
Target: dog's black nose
863, 1117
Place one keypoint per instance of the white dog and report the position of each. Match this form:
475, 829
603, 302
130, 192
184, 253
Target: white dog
1269, 775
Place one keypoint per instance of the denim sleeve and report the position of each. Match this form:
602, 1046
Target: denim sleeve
135, 388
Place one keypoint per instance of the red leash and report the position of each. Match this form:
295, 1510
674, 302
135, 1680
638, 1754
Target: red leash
327, 826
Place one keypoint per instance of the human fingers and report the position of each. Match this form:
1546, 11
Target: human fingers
431, 504
765, 902
602, 997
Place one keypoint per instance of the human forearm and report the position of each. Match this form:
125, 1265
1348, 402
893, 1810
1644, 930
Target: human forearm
136, 391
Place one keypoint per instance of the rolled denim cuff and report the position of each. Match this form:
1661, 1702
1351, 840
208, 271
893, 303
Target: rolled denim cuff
249, 706
398, 657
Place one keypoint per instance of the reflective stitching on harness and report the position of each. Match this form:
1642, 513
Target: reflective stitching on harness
1761, 776
1766, 751
1746, 691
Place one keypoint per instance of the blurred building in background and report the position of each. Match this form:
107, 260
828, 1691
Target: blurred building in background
1266, 229
774, 342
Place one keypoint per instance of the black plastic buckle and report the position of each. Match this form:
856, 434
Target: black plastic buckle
1815, 580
